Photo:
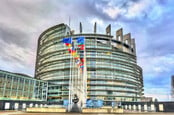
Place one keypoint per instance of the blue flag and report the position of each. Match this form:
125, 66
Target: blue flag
67, 40
81, 40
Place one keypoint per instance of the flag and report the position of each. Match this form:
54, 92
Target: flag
76, 56
81, 40
81, 46
74, 53
68, 44
77, 61
67, 40
82, 66
82, 60
71, 49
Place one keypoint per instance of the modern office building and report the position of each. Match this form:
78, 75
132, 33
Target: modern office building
112, 70
19, 91
15, 86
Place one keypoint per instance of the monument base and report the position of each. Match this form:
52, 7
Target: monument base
75, 108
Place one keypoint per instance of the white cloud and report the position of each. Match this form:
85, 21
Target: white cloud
155, 65
162, 94
22, 54
130, 9
97, 20
136, 9
113, 12
160, 69
17, 59
151, 8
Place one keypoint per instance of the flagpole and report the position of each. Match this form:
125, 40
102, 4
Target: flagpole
70, 85
83, 80
74, 75
78, 74
70, 80
84, 76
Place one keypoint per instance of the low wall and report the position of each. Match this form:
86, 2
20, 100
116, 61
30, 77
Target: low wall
84, 110
49, 110
102, 110
149, 106
20, 104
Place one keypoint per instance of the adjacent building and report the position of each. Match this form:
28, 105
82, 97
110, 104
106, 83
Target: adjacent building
147, 99
172, 87
15, 86
112, 70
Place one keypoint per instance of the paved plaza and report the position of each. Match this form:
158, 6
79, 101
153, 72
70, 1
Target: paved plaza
131, 113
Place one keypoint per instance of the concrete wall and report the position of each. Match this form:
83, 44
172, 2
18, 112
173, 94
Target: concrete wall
43, 109
20, 105
149, 106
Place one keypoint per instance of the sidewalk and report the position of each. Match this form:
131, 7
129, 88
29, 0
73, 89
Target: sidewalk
12, 112
129, 113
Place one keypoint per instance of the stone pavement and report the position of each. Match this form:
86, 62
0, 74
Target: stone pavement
11, 112
24, 113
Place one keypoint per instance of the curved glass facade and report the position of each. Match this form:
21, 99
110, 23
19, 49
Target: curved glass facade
112, 71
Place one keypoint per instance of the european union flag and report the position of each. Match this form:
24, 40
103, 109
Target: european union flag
67, 40
81, 40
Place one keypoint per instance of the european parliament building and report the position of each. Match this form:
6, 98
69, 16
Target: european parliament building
112, 73
91, 70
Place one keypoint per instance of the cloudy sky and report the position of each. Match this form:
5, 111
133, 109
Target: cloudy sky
150, 22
